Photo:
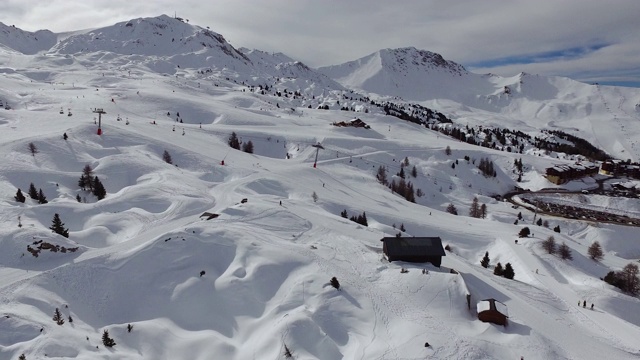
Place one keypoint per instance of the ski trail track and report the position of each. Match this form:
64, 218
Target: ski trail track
628, 143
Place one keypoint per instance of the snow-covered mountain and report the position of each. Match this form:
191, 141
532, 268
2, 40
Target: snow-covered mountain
159, 36
542, 102
208, 251
285, 69
24, 41
406, 72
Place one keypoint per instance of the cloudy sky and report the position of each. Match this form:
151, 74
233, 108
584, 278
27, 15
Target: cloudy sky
587, 40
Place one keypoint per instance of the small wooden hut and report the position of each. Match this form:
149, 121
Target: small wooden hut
493, 311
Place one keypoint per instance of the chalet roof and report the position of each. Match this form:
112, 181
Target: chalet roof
571, 167
412, 246
492, 304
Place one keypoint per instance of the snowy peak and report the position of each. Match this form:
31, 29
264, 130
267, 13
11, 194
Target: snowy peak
280, 65
156, 36
406, 72
26, 42
410, 59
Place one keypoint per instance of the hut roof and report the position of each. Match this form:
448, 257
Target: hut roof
492, 304
411, 246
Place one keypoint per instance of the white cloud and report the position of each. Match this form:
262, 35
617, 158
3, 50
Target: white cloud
323, 33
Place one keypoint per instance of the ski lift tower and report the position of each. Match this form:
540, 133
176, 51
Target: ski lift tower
99, 111
318, 146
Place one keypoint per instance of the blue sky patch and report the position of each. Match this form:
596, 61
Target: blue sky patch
570, 53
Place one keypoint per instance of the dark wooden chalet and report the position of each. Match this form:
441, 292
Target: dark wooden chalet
561, 174
493, 311
414, 249
620, 168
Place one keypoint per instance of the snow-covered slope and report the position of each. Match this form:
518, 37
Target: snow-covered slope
24, 41
254, 279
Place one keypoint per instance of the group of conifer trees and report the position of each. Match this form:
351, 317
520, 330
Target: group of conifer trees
506, 271
235, 143
89, 182
37, 195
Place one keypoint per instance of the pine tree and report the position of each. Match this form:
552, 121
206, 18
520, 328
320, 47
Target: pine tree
524, 232
287, 352
498, 270
33, 149
106, 340
20, 197
86, 179
22, 357
414, 171
233, 141
98, 189
57, 317
508, 271
70, 319
248, 147
344, 214
58, 226
82, 182
78, 198
447, 150
362, 219
485, 260
409, 194
629, 277
393, 186
483, 211
41, 198
595, 251
381, 175
402, 228
474, 211
614, 278
539, 222
33, 192
565, 252
549, 245
451, 209
401, 173
557, 229
129, 327
334, 282
167, 157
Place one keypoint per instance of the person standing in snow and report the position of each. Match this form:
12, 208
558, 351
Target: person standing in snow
584, 303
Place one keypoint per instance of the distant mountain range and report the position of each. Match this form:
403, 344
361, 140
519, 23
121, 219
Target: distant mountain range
169, 45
